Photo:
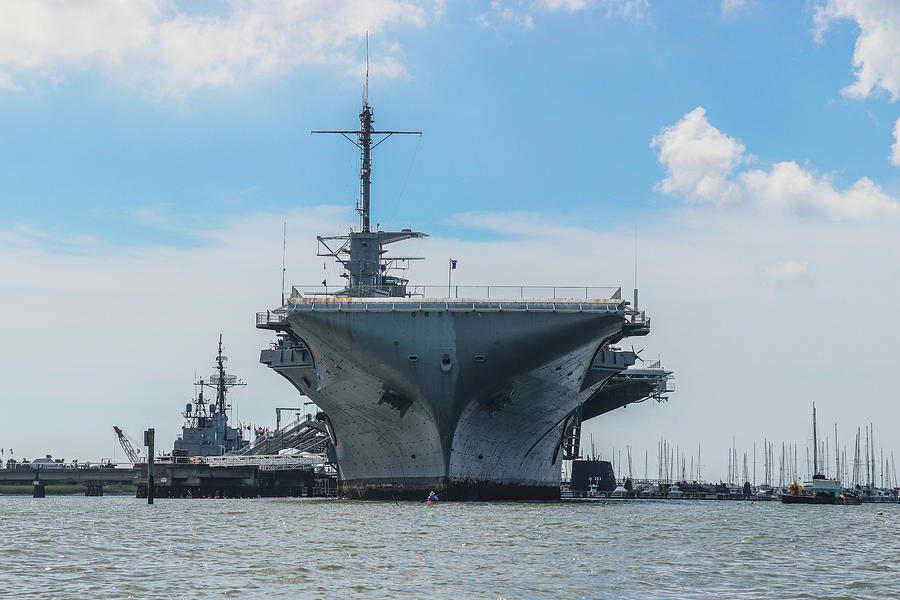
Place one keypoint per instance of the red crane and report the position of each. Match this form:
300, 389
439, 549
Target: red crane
127, 446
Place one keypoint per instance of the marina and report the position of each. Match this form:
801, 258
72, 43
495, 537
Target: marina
210, 459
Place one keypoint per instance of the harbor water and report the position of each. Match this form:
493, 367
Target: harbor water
119, 547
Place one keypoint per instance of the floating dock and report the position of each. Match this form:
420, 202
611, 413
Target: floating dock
240, 477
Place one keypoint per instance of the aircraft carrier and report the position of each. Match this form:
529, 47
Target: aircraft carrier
475, 393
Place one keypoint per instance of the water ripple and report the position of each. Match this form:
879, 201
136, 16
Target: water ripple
117, 547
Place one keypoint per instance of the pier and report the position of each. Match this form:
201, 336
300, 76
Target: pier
240, 477
93, 478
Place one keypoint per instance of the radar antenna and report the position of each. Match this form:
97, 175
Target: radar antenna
221, 381
283, 253
366, 96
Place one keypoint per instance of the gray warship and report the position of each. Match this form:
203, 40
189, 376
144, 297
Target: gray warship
206, 431
478, 393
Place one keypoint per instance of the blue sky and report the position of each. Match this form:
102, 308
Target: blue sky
161, 145
514, 117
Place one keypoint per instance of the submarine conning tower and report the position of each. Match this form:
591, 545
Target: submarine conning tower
470, 391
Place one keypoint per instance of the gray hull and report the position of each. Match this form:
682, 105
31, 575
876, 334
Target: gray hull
470, 399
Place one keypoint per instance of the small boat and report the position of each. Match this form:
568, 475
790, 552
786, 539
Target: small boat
619, 492
822, 490
674, 492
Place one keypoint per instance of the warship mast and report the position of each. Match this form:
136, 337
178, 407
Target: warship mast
364, 143
206, 431
221, 386
361, 252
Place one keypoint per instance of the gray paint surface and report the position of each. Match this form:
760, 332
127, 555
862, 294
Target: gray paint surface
471, 396
439, 398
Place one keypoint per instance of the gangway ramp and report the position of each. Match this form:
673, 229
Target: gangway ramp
301, 436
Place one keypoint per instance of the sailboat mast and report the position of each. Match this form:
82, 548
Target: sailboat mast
815, 445
837, 455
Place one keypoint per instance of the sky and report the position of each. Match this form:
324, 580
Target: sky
154, 150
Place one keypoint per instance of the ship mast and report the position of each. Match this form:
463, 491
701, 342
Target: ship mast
220, 381
221, 389
363, 141
366, 118
362, 253
815, 445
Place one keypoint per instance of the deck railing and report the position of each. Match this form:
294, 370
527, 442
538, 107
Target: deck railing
493, 292
270, 317
515, 292
265, 462
271, 320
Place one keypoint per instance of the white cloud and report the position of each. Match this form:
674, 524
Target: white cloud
788, 186
788, 269
499, 13
626, 9
698, 159
729, 7
6, 82
519, 224
895, 147
146, 319
700, 163
566, 5
177, 51
876, 55
81, 239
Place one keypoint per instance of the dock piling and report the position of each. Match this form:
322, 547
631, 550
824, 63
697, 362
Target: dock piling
149, 439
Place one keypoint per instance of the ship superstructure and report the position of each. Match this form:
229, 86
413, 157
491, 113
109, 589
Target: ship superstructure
206, 431
632, 385
473, 396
